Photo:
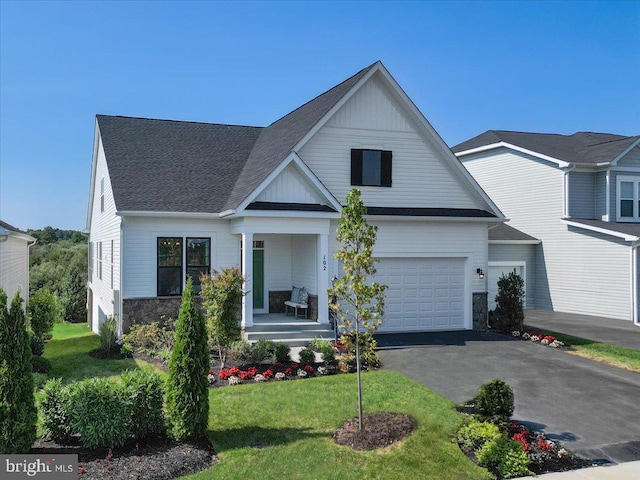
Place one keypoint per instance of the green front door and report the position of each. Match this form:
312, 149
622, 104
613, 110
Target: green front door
258, 279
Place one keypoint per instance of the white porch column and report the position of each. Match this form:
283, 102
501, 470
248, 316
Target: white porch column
323, 277
247, 272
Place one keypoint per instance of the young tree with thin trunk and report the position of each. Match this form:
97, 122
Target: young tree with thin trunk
360, 302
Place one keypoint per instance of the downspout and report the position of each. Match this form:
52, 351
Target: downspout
486, 276
120, 262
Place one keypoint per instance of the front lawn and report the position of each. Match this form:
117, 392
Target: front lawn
68, 353
621, 357
284, 429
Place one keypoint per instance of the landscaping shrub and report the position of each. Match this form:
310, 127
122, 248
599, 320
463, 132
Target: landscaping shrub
495, 400
504, 456
327, 352
307, 355
100, 413
55, 410
316, 344
508, 315
475, 434
44, 312
40, 364
281, 352
240, 350
37, 344
368, 349
263, 349
18, 414
146, 392
221, 299
151, 338
108, 334
39, 379
187, 400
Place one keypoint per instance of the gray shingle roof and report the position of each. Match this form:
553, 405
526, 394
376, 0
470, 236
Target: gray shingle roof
581, 147
6, 226
504, 232
175, 166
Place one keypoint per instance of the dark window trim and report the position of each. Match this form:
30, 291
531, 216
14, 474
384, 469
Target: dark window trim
386, 162
182, 261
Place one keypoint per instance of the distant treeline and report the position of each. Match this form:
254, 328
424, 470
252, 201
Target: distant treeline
58, 263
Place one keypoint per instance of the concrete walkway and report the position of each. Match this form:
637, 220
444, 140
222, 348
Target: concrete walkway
590, 407
606, 330
622, 471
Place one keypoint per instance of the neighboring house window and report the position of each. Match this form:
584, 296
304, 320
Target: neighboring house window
171, 275
102, 194
169, 266
371, 168
198, 260
628, 198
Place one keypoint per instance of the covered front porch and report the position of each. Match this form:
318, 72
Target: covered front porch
285, 252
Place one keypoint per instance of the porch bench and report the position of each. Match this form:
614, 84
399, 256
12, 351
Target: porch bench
296, 306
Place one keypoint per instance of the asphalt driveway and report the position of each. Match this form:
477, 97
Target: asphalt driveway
594, 409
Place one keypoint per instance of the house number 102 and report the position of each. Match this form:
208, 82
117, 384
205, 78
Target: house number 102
324, 262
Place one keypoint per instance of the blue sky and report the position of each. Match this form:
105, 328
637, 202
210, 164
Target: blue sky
557, 67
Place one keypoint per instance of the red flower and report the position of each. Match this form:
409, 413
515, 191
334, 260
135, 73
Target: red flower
268, 373
543, 445
294, 365
234, 371
308, 368
549, 338
522, 438
288, 371
210, 372
277, 364
224, 374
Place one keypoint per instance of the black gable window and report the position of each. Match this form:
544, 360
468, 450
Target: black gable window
371, 168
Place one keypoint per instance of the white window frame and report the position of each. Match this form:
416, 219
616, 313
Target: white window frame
636, 198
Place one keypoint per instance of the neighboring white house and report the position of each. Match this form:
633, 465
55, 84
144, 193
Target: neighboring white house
14, 261
580, 196
171, 198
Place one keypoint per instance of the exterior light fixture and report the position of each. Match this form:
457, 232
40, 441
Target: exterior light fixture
480, 273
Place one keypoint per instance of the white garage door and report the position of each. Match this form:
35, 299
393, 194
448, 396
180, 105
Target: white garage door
424, 294
495, 272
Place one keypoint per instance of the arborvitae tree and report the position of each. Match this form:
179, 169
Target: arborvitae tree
44, 312
18, 412
360, 303
221, 299
509, 314
187, 399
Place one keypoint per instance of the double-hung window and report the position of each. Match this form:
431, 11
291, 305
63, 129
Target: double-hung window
628, 200
371, 168
179, 258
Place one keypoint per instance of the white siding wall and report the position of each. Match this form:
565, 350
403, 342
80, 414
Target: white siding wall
600, 195
140, 253
581, 195
575, 272
518, 253
303, 262
291, 186
370, 120
105, 228
277, 253
14, 268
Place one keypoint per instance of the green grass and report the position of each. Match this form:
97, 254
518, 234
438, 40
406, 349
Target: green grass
621, 357
284, 430
68, 352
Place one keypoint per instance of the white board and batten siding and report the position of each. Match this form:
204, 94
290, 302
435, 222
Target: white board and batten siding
141, 248
14, 268
105, 245
576, 272
371, 119
291, 186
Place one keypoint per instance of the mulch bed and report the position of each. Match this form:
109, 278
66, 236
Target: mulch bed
380, 430
151, 459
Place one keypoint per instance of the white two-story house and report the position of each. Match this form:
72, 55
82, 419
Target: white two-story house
171, 199
580, 196
14, 262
